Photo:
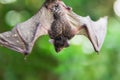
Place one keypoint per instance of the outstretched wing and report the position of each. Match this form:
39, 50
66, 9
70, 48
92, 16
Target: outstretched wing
94, 30
22, 37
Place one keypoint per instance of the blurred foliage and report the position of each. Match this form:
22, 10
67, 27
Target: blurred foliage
74, 63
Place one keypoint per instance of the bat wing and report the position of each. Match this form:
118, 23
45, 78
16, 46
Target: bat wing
94, 30
22, 37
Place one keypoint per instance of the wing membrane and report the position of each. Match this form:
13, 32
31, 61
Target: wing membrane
22, 37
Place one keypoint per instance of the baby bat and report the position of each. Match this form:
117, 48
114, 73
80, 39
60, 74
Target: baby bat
59, 22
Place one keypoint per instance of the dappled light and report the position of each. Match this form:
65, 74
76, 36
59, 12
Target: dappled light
7, 1
13, 17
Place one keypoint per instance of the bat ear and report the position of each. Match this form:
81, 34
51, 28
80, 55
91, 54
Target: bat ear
97, 32
51, 41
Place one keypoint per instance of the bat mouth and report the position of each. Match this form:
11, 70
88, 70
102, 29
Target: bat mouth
58, 49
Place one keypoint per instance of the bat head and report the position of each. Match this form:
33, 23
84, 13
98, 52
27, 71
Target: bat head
60, 43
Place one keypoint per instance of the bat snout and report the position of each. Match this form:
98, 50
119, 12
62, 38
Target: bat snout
60, 43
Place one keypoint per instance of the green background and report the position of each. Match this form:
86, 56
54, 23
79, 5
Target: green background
78, 62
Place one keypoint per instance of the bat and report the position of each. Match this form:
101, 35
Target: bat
59, 22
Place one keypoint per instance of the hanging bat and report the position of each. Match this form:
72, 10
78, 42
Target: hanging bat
59, 22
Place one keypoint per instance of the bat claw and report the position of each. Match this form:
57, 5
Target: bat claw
69, 8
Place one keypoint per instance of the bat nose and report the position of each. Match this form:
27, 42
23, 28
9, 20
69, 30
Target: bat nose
58, 49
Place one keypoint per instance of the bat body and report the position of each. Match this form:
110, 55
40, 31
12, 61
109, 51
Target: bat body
60, 30
60, 23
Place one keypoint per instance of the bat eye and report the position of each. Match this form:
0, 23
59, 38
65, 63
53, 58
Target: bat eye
58, 38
